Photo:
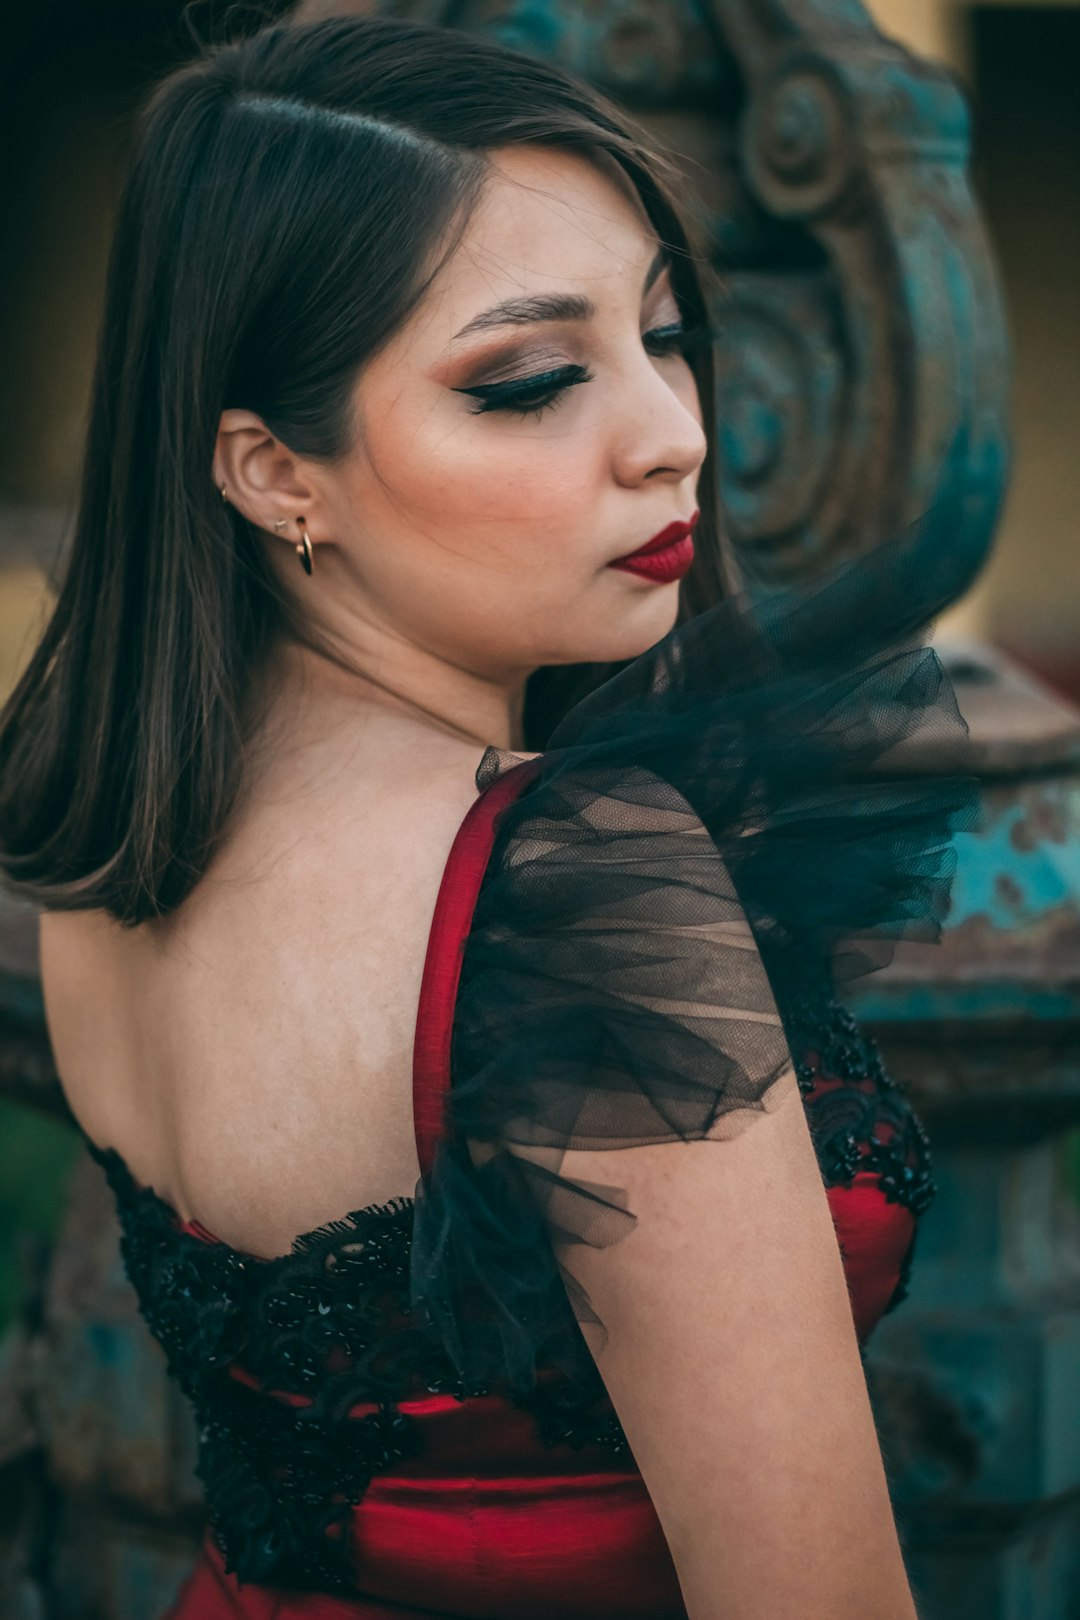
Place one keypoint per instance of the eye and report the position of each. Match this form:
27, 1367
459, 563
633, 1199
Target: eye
543, 390
676, 338
527, 396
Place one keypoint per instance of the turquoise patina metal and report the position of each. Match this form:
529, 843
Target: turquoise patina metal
977, 1376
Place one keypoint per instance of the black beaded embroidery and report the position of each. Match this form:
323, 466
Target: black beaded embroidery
859, 1117
331, 1323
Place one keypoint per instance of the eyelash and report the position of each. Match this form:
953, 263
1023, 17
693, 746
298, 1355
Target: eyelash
532, 396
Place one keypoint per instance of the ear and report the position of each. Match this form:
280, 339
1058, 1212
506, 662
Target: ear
263, 478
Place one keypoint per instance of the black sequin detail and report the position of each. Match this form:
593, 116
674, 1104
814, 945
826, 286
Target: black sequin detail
331, 1322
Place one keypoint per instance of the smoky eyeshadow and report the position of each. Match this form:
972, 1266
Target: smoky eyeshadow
516, 364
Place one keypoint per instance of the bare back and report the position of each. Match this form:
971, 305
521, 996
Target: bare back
250, 1056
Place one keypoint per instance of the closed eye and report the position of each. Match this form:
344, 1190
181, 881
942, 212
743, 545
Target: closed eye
543, 390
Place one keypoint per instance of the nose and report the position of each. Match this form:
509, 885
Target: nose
658, 436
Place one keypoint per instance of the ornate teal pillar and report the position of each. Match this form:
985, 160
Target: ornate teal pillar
976, 1377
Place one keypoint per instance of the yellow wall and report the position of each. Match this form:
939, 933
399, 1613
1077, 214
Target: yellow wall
934, 28
1027, 175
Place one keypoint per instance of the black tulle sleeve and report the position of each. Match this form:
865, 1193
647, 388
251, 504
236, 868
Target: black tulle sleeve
732, 820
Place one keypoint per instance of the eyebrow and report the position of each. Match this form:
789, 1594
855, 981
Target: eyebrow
547, 306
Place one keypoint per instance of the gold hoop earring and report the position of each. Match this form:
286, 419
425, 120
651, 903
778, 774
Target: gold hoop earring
303, 549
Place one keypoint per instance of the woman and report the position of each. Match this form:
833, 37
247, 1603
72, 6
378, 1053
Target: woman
390, 732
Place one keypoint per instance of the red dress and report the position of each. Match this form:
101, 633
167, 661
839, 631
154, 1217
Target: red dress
487, 1520
400, 1418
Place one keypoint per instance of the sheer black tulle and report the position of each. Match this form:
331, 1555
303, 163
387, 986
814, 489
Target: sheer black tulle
733, 822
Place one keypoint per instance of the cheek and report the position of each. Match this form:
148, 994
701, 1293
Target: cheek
477, 533
501, 479
684, 386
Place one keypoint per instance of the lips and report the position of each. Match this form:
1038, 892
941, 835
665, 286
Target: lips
667, 537
666, 557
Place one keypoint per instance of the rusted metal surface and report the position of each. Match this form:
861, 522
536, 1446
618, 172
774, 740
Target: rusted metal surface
18, 1431
976, 1380
112, 1519
112, 1423
1009, 964
1018, 726
104, 1566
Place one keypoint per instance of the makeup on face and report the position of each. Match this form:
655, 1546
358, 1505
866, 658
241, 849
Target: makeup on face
664, 558
536, 418
512, 381
513, 376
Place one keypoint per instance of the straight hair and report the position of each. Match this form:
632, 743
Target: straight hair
290, 197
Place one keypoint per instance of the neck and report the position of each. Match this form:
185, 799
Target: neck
419, 687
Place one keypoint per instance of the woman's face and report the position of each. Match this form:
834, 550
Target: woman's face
534, 420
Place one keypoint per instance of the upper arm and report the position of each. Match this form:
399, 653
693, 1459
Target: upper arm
618, 1040
729, 1353
725, 1334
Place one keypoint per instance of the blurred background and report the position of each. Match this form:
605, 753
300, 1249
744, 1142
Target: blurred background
74, 71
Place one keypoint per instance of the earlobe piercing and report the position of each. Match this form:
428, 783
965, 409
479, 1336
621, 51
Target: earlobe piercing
304, 550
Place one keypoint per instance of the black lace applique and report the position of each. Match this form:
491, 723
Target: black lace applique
331, 1323
328, 1322
860, 1118
576, 1412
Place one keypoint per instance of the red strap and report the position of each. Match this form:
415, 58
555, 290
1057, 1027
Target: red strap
454, 907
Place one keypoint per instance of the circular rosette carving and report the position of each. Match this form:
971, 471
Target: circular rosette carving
799, 140
780, 390
634, 49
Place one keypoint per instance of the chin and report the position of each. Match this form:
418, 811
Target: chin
642, 625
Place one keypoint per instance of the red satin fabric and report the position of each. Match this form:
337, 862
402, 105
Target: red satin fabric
450, 924
488, 1523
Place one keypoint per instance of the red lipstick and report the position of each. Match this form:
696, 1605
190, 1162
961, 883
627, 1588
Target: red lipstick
666, 557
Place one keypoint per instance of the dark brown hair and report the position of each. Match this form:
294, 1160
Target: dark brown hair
286, 193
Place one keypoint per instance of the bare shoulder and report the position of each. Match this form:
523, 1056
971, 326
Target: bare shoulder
250, 1056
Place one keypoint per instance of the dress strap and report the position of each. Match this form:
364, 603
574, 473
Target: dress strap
452, 919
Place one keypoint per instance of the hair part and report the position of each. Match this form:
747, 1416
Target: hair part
261, 257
